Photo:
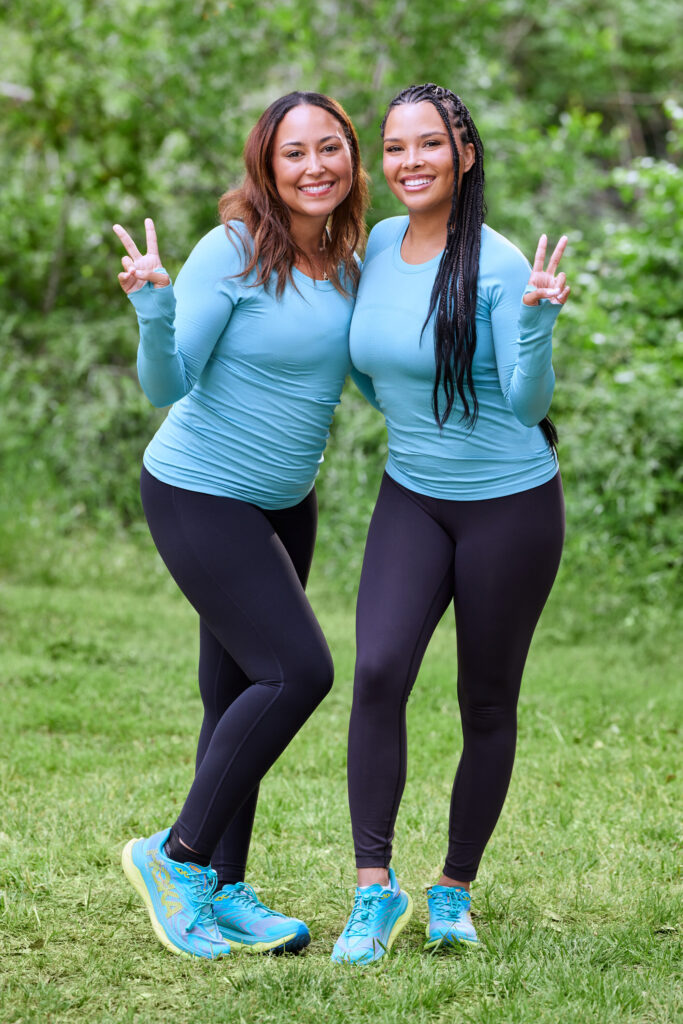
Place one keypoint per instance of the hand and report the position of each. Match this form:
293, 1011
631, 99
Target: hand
544, 282
137, 269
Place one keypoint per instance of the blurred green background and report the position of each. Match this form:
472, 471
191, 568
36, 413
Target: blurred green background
116, 111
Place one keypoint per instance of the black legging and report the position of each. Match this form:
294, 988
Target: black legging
264, 665
497, 559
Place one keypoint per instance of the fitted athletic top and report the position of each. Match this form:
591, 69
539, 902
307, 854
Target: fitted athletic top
253, 379
512, 370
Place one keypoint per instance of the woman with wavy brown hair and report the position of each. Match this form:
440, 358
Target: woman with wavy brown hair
250, 348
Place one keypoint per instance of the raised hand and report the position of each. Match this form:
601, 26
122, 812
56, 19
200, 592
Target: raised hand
137, 269
547, 284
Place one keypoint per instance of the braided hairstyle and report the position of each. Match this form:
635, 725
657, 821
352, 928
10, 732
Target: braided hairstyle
454, 293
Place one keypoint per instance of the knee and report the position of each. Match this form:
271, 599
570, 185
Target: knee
378, 679
313, 674
487, 719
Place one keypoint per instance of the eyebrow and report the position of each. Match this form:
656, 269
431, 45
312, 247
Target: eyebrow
325, 138
424, 135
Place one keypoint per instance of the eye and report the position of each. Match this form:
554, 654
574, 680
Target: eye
333, 147
433, 142
392, 149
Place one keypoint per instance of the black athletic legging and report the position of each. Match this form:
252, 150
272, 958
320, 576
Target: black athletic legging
264, 665
497, 560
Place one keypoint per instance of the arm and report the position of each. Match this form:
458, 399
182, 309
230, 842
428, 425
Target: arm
365, 386
522, 333
179, 327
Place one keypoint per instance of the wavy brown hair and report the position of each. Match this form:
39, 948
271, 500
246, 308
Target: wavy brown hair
258, 205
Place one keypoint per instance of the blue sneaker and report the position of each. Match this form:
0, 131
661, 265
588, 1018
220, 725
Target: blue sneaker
178, 898
449, 918
377, 918
251, 925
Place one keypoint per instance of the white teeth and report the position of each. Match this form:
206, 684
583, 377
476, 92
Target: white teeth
414, 182
313, 189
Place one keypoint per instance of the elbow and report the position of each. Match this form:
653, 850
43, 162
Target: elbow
532, 417
531, 404
160, 397
160, 402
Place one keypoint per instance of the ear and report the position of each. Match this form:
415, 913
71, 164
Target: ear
468, 158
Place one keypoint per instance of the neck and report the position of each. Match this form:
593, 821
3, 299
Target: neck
429, 228
308, 233
426, 235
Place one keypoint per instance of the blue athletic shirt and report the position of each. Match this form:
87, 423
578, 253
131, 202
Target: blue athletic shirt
512, 370
253, 379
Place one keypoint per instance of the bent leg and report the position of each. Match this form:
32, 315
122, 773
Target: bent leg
405, 587
507, 555
221, 681
233, 568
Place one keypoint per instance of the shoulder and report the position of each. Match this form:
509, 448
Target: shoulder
226, 248
499, 256
383, 236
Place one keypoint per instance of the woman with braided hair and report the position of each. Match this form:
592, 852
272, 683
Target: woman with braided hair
456, 334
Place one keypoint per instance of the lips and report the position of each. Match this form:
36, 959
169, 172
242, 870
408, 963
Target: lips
321, 188
416, 182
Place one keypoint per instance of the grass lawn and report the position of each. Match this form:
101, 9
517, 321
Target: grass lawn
576, 903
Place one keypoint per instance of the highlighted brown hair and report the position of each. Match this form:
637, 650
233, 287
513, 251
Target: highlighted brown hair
258, 205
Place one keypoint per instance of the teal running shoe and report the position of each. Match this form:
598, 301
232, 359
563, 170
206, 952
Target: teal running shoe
178, 897
250, 925
377, 918
450, 923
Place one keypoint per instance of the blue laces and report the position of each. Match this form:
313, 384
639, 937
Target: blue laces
203, 888
450, 902
244, 894
365, 906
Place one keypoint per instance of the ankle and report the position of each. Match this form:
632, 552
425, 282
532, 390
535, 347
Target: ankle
453, 883
176, 849
373, 876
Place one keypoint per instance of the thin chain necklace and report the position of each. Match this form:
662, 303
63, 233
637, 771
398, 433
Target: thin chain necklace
322, 248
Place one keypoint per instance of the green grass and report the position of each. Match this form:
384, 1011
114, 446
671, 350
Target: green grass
577, 901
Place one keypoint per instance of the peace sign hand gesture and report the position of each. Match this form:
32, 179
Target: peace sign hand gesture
544, 283
137, 269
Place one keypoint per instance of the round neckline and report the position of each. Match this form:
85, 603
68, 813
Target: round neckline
412, 268
312, 282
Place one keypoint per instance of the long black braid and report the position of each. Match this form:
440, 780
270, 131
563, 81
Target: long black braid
454, 293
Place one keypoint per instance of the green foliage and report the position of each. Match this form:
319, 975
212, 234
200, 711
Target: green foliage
114, 111
622, 373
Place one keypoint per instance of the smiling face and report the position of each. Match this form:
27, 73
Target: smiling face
311, 162
418, 163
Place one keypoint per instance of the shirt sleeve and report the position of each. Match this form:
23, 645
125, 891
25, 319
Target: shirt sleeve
522, 340
180, 325
364, 384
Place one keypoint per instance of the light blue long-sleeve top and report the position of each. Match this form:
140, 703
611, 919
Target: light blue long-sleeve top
253, 379
512, 371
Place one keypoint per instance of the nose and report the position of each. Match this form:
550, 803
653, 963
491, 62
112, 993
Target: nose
315, 164
412, 157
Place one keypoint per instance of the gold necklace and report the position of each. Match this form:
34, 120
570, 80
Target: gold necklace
322, 248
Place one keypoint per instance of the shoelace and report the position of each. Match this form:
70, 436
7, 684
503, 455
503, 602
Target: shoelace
450, 904
363, 905
243, 893
203, 888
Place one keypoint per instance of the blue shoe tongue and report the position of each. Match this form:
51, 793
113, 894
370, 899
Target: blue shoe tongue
372, 890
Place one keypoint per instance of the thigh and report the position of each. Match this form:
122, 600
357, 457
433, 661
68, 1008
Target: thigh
226, 557
296, 527
507, 555
218, 670
406, 585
